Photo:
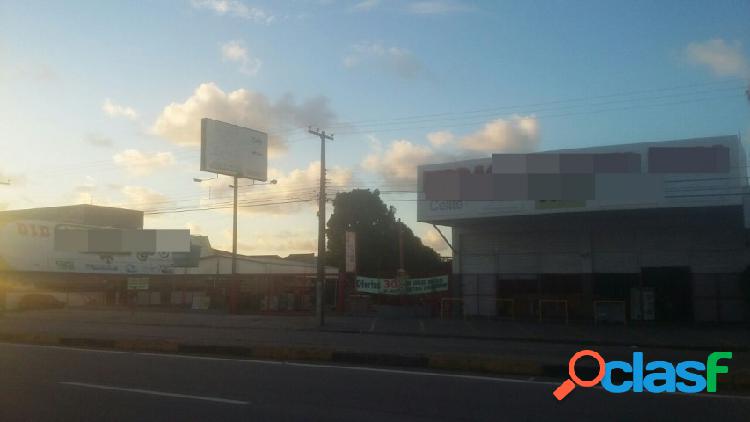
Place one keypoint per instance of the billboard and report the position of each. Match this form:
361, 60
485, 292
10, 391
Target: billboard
233, 150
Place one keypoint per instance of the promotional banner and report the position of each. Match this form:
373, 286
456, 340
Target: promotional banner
407, 286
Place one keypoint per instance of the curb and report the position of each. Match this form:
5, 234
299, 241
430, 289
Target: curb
484, 364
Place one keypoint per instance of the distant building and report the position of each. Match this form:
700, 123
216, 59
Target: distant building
32, 261
653, 230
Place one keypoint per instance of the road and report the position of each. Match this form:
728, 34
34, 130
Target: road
42, 383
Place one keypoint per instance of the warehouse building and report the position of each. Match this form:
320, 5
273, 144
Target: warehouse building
644, 231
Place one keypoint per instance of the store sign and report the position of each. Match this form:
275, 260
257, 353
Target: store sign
137, 283
407, 286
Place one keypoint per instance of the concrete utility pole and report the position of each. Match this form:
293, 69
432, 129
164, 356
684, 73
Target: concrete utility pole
234, 230
321, 225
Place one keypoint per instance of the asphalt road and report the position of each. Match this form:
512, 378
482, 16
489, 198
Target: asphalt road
53, 383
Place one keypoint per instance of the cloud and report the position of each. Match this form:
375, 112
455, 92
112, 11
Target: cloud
723, 58
281, 242
140, 163
116, 110
180, 122
440, 138
437, 7
366, 5
432, 239
517, 134
293, 192
236, 52
195, 228
235, 8
98, 140
142, 197
397, 60
398, 162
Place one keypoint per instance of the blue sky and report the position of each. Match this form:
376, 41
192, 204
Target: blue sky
97, 98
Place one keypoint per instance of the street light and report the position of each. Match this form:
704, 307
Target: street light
198, 180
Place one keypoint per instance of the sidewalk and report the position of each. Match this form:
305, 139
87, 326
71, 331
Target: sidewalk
481, 346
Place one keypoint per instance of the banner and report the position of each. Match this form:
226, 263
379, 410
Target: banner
407, 286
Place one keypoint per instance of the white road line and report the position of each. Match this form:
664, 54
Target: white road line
372, 326
153, 393
364, 368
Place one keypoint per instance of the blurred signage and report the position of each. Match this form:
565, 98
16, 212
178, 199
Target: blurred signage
351, 252
137, 283
407, 286
29, 245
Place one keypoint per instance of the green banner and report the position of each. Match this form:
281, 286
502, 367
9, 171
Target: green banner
407, 286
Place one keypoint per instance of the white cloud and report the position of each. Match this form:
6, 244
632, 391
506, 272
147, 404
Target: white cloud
366, 5
140, 163
517, 134
723, 58
440, 138
432, 239
141, 197
398, 162
236, 9
282, 242
112, 109
235, 51
437, 7
180, 122
397, 60
293, 192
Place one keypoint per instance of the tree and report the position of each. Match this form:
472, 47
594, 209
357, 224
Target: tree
363, 212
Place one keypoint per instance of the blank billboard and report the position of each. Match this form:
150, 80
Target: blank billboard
233, 150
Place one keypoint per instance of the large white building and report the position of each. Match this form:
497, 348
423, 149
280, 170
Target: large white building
653, 230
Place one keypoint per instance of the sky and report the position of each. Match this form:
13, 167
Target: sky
100, 102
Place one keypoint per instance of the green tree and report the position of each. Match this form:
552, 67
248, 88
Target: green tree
363, 212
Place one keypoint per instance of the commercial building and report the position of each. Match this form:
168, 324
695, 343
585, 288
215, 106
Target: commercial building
652, 230
91, 255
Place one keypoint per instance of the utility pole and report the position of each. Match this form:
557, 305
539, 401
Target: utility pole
234, 232
321, 225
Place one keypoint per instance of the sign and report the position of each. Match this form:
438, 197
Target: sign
233, 150
351, 252
137, 283
29, 245
407, 286
201, 303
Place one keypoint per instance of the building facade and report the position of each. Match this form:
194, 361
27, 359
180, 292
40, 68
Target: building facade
662, 237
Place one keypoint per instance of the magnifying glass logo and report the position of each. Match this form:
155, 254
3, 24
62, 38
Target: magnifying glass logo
569, 384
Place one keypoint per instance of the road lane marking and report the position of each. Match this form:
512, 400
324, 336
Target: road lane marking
154, 393
372, 326
363, 368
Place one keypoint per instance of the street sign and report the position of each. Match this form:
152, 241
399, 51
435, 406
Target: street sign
137, 283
